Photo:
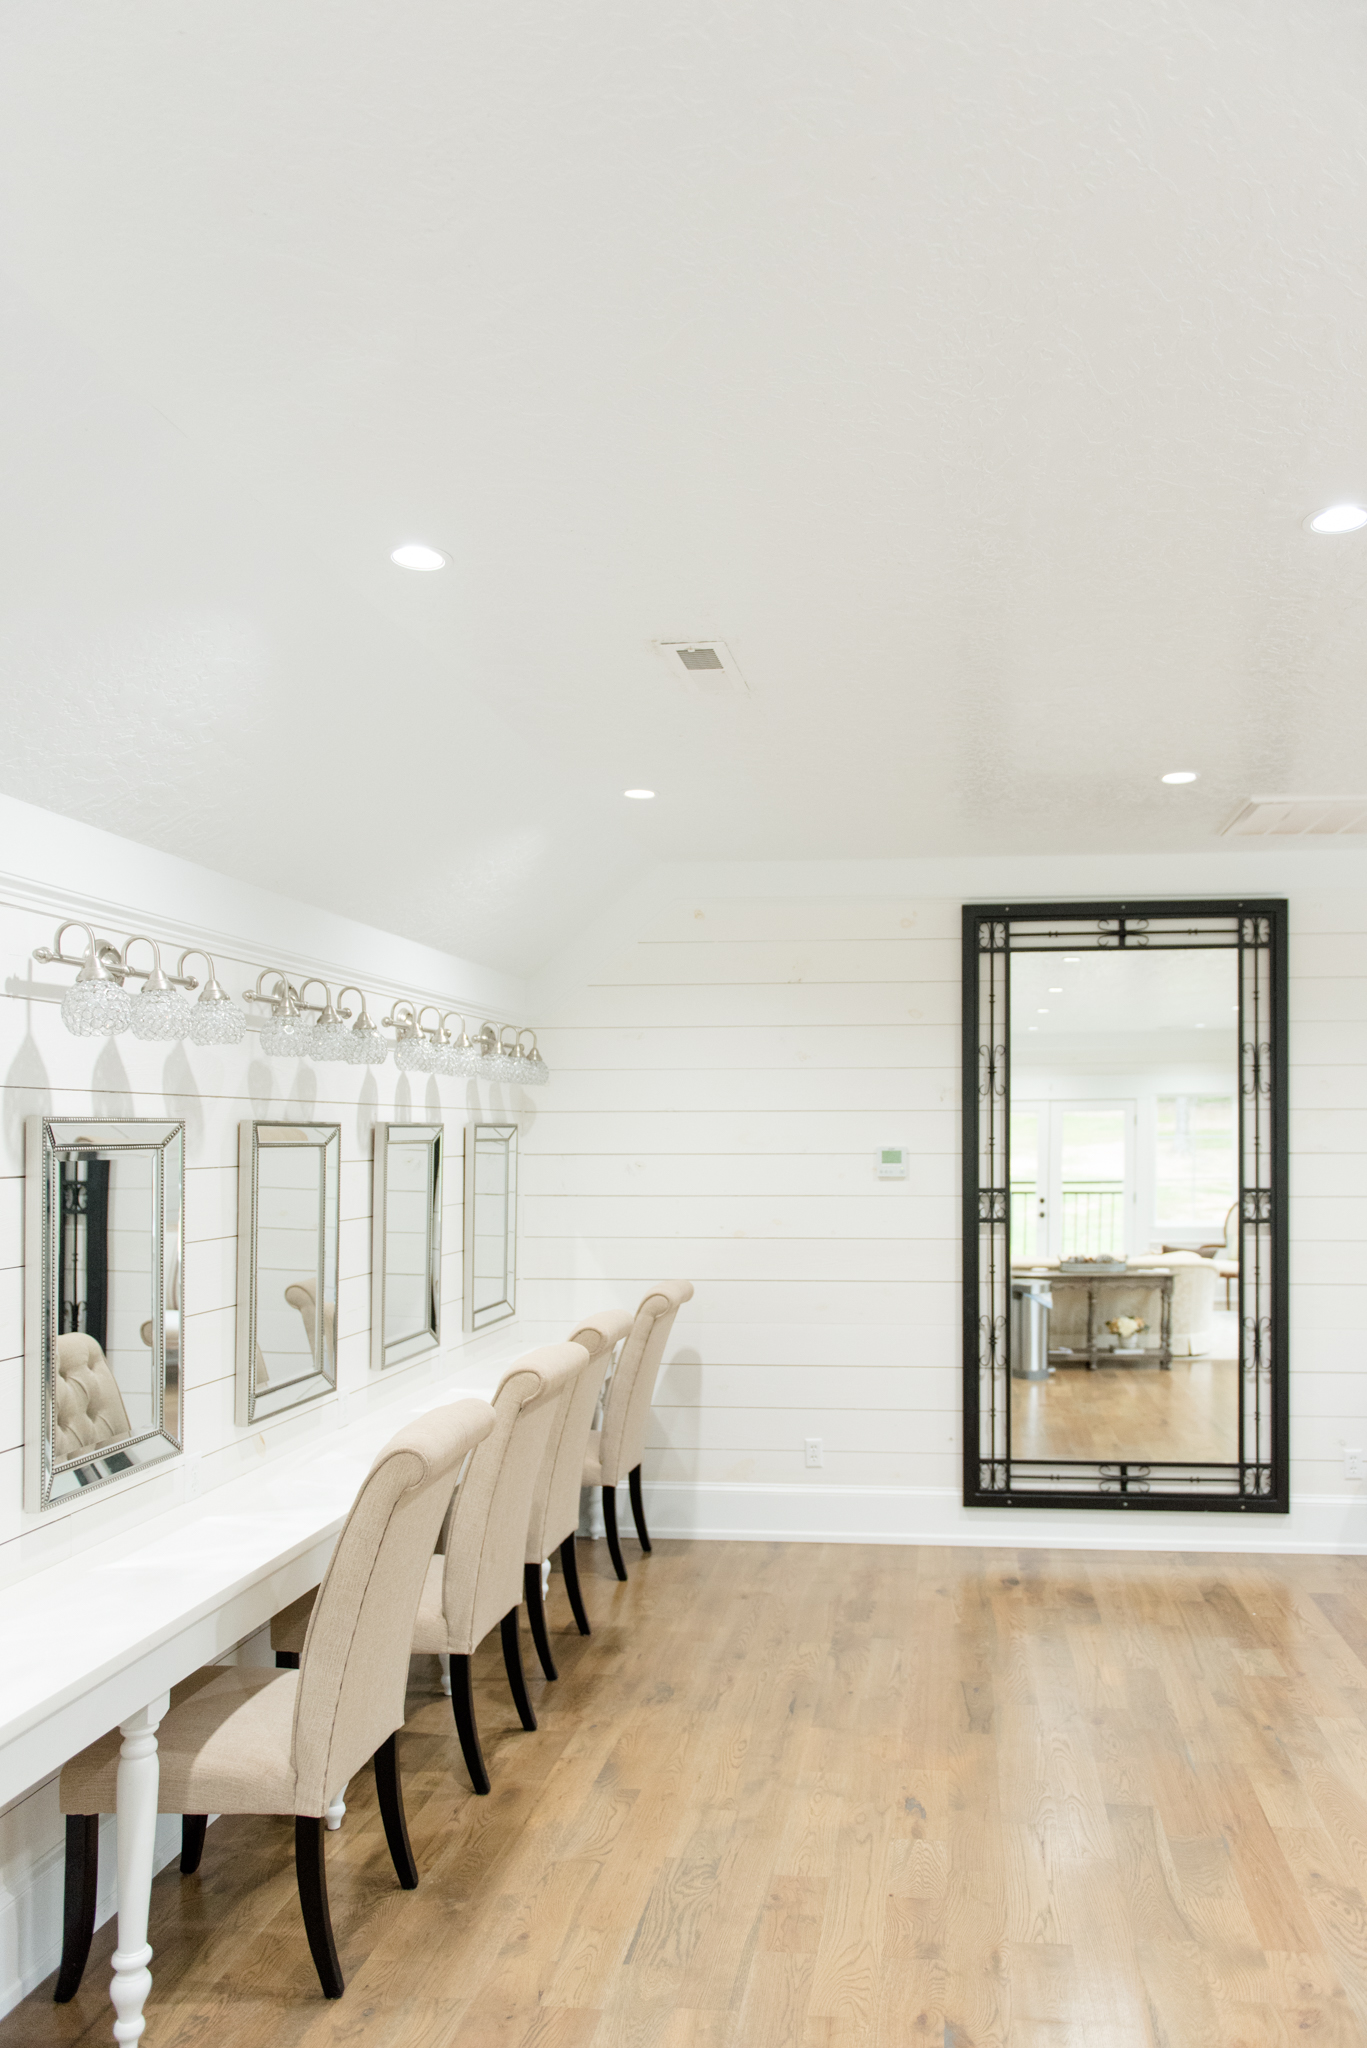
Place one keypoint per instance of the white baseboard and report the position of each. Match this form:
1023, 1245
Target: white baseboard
717, 1512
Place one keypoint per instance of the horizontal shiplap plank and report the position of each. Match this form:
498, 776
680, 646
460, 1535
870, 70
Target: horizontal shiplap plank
883, 1047
703, 1133
804, 1262
866, 1215
650, 1176
752, 962
849, 1005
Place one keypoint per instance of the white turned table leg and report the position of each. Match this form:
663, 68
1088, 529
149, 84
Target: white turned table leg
138, 1779
445, 1663
334, 1813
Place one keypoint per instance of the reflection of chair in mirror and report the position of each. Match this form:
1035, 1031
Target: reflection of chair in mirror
303, 1295
555, 1507
281, 1742
616, 1450
90, 1408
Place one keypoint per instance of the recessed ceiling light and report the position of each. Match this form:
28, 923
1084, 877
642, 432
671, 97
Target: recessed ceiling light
641, 795
1056, 991
1032, 1027
414, 554
1336, 519
1181, 775
1041, 1013
1070, 959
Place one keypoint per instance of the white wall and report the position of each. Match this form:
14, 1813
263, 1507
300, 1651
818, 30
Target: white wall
731, 1048
50, 866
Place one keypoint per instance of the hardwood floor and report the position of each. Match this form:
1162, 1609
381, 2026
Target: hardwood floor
1130, 1411
811, 1796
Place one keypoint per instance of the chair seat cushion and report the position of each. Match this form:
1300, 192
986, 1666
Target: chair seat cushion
226, 1749
593, 1459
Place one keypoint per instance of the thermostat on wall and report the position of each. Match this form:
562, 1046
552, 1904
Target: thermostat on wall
892, 1163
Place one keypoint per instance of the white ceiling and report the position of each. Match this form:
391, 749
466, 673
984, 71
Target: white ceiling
968, 367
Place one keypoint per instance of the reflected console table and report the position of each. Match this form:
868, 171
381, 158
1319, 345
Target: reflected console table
1093, 1354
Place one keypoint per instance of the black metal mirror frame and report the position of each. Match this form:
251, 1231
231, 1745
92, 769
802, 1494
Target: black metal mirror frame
993, 1477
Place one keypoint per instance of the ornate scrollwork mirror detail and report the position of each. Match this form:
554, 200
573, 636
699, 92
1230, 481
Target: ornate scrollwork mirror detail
105, 1243
289, 1179
1125, 1217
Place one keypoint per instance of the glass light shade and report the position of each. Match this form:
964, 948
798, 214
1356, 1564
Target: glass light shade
415, 1055
215, 1021
96, 1009
459, 1060
535, 1071
330, 1040
160, 1013
368, 1048
286, 1038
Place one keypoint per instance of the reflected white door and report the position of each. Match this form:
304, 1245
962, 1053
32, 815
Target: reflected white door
1072, 1178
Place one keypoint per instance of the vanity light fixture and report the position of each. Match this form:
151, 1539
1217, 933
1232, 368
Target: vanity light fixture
215, 1018
97, 1004
159, 1011
640, 796
288, 1032
329, 1039
366, 1047
1336, 519
1180, 775
100, 1005
415, 554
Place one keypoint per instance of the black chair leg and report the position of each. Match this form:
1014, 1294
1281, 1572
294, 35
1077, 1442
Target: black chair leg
389, 1787
311, 1871
569, 1565
78, 1918
193, 1828
287, 1660
512, 1664
610, 1524
638, 1510
536, 1615
463, 1706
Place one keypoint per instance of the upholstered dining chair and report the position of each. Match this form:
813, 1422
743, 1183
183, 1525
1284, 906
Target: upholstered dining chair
615, 1451
253, 1741
475, 1582
555, 1504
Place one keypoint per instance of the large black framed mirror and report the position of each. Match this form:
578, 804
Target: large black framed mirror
1125, 1216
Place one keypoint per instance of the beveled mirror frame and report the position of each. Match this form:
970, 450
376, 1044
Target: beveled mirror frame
1257, 1481
497, 1311
255, 1135
48, 1480
429, 1137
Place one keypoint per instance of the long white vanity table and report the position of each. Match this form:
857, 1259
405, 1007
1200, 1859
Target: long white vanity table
146, 1609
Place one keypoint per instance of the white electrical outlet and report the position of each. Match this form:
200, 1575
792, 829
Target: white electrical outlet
1354, 1464
815, 1455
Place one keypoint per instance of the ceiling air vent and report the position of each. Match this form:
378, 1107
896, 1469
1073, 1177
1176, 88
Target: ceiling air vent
1292, 817
706, 664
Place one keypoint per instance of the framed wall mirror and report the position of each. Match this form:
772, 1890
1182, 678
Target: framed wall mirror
405, 1309
289, 1178
105, 1209
1125, 1225
490, 1224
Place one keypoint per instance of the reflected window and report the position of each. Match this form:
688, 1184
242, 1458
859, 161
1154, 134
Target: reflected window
1196, 1162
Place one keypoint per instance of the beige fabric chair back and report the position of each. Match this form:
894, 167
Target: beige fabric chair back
90, 1410
487, 1538
626, 1405
353, 1673
555, 1504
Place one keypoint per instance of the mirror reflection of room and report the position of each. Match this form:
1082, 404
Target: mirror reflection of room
106, 1258
1124, 1189
293, 1343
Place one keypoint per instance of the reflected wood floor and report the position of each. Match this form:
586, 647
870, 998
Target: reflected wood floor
810, 1796
1130, 1411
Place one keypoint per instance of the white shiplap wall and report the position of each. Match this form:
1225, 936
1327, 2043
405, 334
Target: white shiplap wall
724, 1073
